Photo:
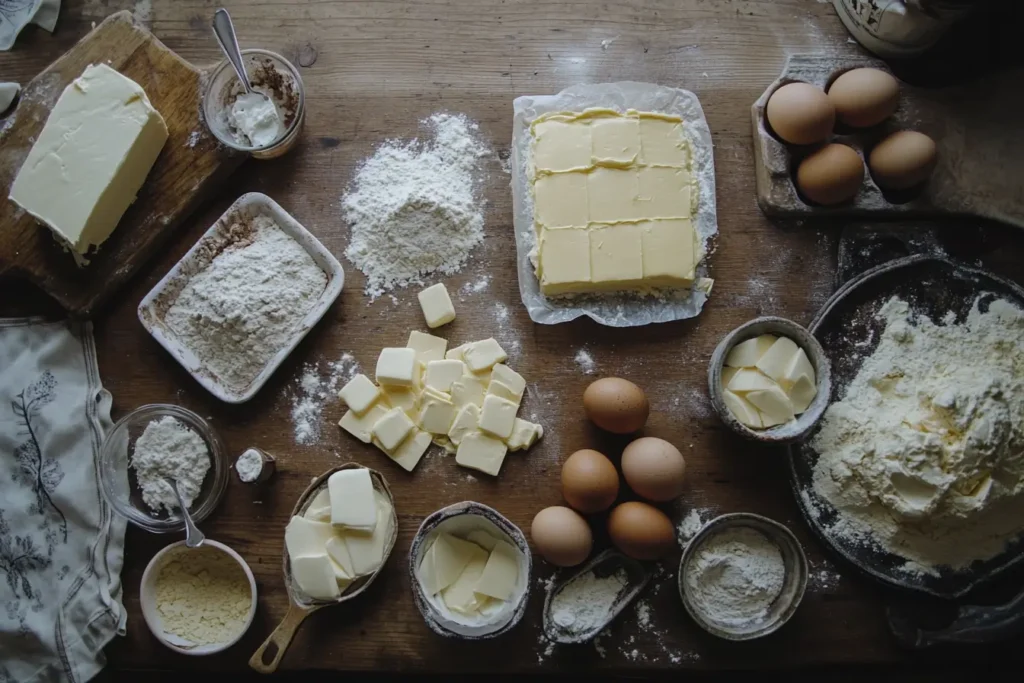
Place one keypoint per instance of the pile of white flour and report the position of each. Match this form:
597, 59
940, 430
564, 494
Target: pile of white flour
735, 576
412, 206
169, 448
924, 455
241, 309
586, 603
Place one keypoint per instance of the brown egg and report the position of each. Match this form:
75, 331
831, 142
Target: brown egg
562, 536
864, 97
830, 175
800, 114
590, 482
903, 160
654, 469
641, 531
616, 405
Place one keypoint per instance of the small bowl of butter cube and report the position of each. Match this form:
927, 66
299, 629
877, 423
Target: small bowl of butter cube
770, 381
470, 571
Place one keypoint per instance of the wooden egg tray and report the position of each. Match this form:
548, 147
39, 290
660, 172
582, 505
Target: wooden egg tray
976, 129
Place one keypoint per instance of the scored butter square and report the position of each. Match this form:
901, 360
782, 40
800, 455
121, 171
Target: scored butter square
615, 254
560, 200
560, 146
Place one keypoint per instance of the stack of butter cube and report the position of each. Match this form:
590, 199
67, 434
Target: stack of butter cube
767, 381
464, 399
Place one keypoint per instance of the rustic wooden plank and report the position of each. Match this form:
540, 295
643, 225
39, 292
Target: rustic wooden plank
191, 164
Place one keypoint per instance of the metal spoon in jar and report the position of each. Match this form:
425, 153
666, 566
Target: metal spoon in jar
224, 30
193, 536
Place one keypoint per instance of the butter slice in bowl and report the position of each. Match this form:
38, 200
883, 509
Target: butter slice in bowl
769, 380
470, 570
92, 156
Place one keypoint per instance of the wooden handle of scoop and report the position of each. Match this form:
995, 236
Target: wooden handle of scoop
268, 657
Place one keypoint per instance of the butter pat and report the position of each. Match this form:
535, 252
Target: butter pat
509, 379
776, 360
359, 393
524, 435
306, 537
361, 426
353, 504
319, 509
397, 367
437, 305
498, 416
314, 575
411, 451
392, 429
436, 415
337, 550
483, 355
481, 452
467, 420
742, 410
468, 390
444, 561
427, 346
747, 379
90, 159
401, 397
440, 374
747, 353
461, 596
367, 548
500, 574
773, 405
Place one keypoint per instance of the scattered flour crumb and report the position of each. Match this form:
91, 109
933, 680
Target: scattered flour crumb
313, 391
585, 362
689, 526
193, 139
500, 312
475, 286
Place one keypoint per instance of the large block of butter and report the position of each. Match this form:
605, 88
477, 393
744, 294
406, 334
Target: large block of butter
613, 202
91, 158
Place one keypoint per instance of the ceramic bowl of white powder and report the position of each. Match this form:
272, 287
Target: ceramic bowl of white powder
742, 576
157, 441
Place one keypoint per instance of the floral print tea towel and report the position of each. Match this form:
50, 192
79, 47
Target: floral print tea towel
16, 14
61, 545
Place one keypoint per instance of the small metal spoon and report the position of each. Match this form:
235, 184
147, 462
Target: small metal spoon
224, 30
193, 536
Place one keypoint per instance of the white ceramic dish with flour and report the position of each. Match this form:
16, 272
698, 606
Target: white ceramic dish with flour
151, 614
155, 304
462, 519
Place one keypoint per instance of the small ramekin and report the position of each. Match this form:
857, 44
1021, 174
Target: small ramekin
806, 421
793, 587
117, 478
150, 613
462, 518
267, 69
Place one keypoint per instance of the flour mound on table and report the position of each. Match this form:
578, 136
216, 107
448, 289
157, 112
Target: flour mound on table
246, 304
412, 207
169, 448
924, 455
313, 391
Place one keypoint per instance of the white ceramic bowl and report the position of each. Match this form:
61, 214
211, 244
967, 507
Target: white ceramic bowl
147, 596
154, 306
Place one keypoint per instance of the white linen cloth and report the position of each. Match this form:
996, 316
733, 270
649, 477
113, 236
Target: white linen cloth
61, 545
16, 14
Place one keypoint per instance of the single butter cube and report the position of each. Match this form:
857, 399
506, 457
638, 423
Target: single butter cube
773, 405
359, 393
436, 416
90, 159
498, 416
392, 429
361, 426
397, 367
460, 596
799, 366
440, 374
444, 561
319, 509
314, 575
563, 264
401, 397
337, 550
367, 549
458, 353
742, 410
409, 453
483, 355
352, 500
306, 537
499, 389
427, 346
500, 574
524, 435
466, 421
747, 353
510, 378
777, 358
802, 393
468, 390
437, 305
481, 452
727, 375
747, 379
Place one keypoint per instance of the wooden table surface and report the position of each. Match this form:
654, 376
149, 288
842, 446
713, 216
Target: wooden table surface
373, 70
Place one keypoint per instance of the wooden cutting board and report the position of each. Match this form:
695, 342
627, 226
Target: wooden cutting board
191, 165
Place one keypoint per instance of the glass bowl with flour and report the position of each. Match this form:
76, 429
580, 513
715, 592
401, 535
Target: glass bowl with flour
154, 442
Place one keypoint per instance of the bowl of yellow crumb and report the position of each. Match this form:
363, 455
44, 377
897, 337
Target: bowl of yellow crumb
198, 601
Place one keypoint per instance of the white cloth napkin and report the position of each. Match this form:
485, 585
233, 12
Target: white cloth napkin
61, 545
16, 14
8, 91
